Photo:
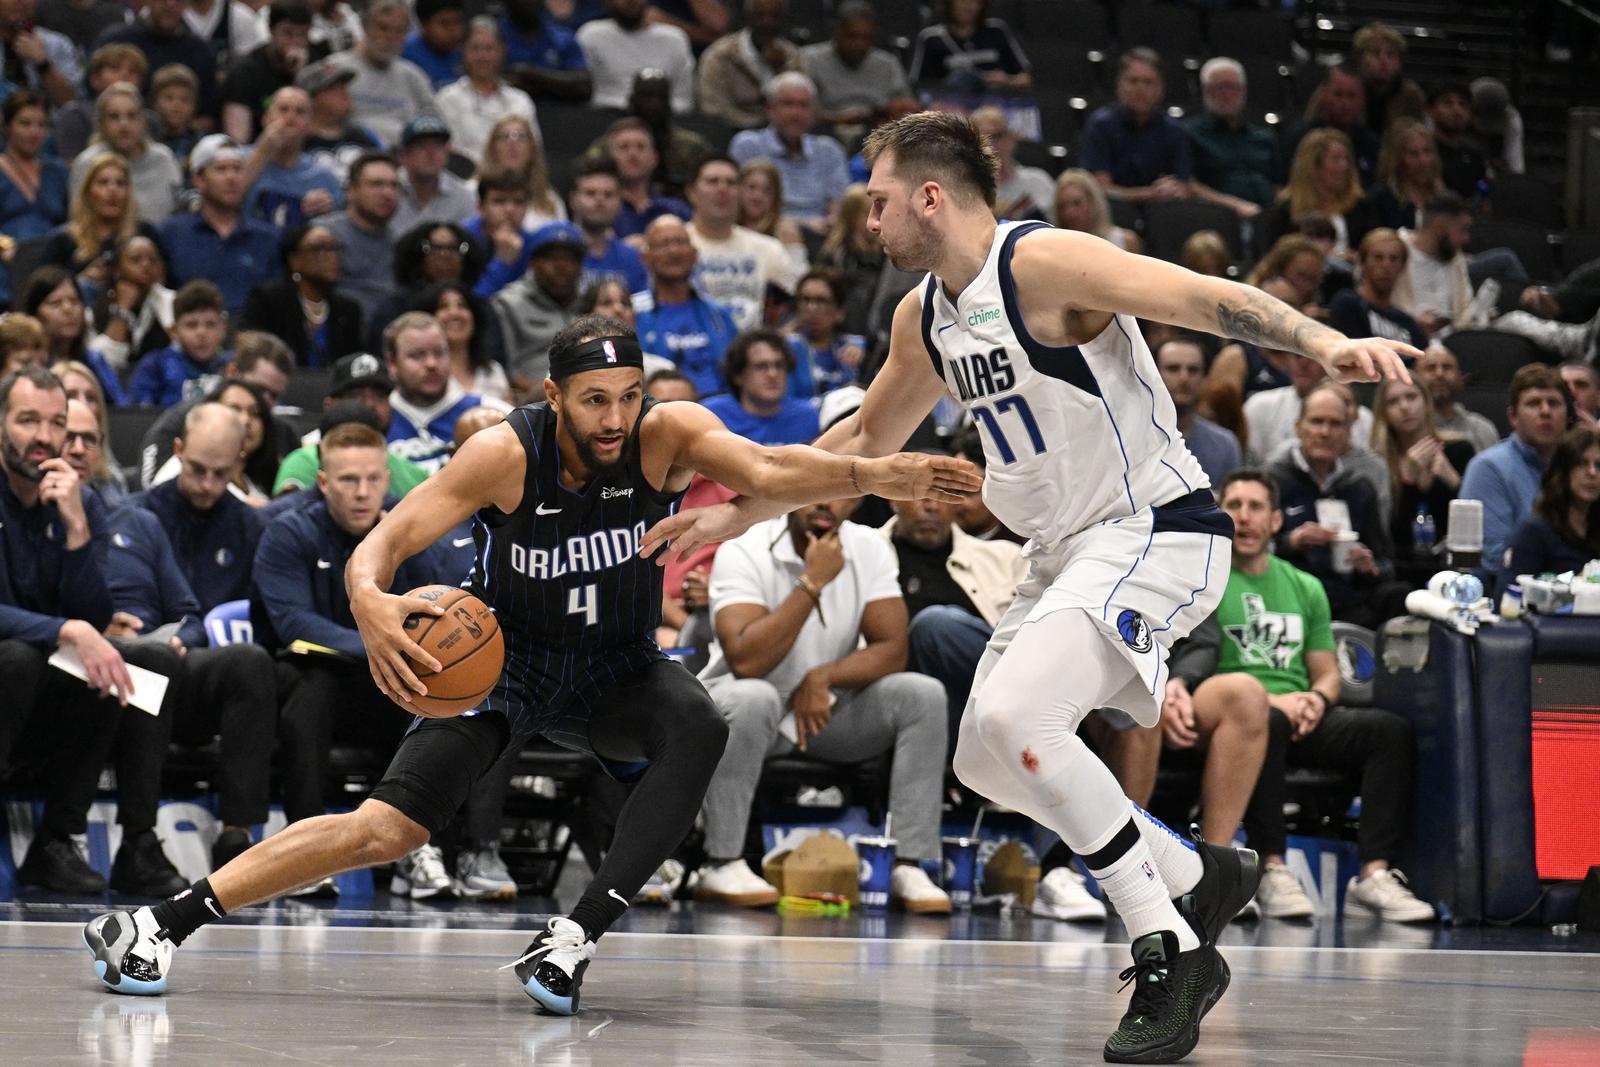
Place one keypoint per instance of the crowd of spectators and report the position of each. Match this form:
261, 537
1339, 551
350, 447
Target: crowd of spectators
203, 202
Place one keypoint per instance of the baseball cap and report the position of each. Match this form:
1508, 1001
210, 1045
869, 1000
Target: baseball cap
315, 77
839, 403
1491, 105
424, 126
357, 369
210, 148
553, 235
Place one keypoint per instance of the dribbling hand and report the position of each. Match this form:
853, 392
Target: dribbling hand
381, 618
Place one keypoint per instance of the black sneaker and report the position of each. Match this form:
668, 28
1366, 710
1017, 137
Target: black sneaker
141, 869
1227, 883
551, 971
228, 846
56, 864
1172, 991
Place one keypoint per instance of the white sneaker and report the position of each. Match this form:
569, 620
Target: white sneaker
421, 875
326, 889
735, 883
129, 957
1387, 894
912, 889
1250, 913
1064, 896
1280, 895
662, 886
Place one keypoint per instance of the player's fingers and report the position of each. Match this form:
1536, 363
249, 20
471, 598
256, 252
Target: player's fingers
416, 605
408, 647
662, 532
404, 680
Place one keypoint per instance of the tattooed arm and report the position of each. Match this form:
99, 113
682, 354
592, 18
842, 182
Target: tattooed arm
1061, 272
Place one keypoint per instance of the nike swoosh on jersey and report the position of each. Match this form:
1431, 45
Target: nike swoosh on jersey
540, 509
323, 565
461, 542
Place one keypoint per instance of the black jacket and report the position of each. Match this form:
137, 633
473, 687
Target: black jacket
275, 307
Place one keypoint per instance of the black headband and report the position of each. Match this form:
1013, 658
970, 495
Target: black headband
599, 353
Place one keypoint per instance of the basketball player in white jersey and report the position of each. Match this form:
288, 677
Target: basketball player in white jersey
1034, 330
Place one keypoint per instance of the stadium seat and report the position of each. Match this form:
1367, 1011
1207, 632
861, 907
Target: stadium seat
1355, 648
128, 427
1489, 358
1169, 223
1531, 244
1050, 158
1249, 31
1125, 214
1577, 247
229, 624
1086, 24
26, 258
306, 389
1525, 198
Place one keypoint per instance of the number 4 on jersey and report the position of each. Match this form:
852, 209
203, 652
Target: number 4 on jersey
581, 600
991, 422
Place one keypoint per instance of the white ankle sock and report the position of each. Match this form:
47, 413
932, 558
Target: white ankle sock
1136, 887
1175, 858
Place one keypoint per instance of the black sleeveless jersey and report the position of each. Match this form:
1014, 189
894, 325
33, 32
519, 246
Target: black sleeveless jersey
563, 572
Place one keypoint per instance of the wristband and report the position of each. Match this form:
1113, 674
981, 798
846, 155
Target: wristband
810, 589
1320, 695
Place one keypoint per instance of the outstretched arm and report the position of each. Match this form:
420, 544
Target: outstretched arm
1097, 276
488, 469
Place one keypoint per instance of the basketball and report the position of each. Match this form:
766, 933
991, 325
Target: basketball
467, 642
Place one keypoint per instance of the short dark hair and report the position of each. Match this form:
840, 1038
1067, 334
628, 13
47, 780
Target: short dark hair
366, 159
855, 11
668, 374
198, 295
1182, 337
1346, 69
501, 180
1140, 54
599, 164
38, 377
581, 329
18, 101
292, 12
941, 146
251, 347
832, 277
1536, 376
737, 357
968, 444
341, 412
1444, 89
715, 157
1444, 204
629, 122
1250, 474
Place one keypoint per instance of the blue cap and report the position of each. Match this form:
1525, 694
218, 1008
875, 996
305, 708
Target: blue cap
556, 235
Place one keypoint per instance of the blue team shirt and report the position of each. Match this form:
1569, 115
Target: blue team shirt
275, 196
817, 370
441, 68
556, 47
498, 274
619, 263
424, 435
237, 263
794, 424
693, 334
168, 376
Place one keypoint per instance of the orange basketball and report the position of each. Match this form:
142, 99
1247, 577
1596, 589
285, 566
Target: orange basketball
467, 642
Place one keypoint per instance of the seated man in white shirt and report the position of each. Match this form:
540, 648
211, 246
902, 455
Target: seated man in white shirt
810, 655
1435, 288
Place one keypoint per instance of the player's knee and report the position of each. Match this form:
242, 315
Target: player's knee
386, 833
698, 724
971, 757
999, 716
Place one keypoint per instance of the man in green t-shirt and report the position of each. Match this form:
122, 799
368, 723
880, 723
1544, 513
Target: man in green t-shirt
358, 379
1275, 630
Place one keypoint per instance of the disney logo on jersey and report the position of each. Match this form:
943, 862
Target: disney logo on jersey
580, 553
983, 374
609, 492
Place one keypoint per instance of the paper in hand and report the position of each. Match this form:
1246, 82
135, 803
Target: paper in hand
149, 688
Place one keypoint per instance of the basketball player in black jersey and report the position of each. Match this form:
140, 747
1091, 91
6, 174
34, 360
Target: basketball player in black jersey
560, 495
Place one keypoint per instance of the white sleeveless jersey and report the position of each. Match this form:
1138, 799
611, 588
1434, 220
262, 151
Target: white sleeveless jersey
1072, 436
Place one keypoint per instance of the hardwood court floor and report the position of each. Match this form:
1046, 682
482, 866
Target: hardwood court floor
771, 994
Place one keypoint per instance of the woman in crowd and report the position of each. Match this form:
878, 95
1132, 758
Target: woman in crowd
1563, 533
970, 50
103, 216
424, 255
1205, 252
1425, 471
1323, 178
473, 103
33, 187
825, 356
468, 324
133, 316
52, 296
852, 250
304, 306
1082, 205
761, 207
120, 129
514, 145
1409, 175
81, 384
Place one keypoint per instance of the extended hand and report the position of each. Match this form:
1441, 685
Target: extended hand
689, 530
381, 618
919, 476
1370, 359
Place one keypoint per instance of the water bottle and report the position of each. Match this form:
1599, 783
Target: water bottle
1423, 533
1464, 589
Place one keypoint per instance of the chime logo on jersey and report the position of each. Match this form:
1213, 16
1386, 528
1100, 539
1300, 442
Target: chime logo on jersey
579, 554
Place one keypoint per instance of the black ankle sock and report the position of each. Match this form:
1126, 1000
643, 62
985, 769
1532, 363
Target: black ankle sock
187, 912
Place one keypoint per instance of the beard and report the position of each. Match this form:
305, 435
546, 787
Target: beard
923, 249
19, 464
597, 466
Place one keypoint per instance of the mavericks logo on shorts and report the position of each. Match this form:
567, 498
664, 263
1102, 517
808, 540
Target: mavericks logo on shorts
1134, 630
